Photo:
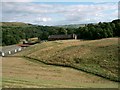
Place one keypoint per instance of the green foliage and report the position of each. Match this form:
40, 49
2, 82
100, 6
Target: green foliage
18, 31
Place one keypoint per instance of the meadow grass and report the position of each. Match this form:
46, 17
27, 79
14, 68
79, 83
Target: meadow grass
98, 57
20, 72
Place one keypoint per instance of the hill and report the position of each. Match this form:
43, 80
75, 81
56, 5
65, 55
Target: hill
20, 24
71, 26
74, 25
18, 72
98, 57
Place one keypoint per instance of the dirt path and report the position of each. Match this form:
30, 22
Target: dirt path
19, 72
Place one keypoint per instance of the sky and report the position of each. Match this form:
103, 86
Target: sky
59, 12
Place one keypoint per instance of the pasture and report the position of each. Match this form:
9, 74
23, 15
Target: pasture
85, 64
21, 73
99, 57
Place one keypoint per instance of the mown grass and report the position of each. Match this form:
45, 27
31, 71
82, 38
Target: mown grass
37, 84
21, 73
42, 83
99, 57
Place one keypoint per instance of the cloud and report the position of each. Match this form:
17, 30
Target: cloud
92, 13
60, 1
17, 0
59, 13
45, 19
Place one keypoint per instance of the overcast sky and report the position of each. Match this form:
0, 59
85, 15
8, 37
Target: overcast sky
59, 13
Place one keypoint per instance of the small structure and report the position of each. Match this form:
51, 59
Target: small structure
25, 42
30, 41
62, 37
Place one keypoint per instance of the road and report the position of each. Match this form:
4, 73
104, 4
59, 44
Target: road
8, 50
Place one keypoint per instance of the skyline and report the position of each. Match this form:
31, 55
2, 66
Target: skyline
59, 13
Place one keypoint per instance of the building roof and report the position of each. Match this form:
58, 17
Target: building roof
60, 36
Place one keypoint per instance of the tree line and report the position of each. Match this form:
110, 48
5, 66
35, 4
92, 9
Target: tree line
13, 34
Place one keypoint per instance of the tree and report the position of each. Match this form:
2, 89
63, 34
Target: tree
12, 35
9, 40
44, 36
62, 31
70, 30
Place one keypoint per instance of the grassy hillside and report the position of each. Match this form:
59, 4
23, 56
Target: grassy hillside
25, 73
99, 57
14, 24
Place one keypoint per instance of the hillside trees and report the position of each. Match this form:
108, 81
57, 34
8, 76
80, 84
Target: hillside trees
62, 31
100, 30
13, 34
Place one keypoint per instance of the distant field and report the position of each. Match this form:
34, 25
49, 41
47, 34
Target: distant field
99, 57
14, 24
24, 73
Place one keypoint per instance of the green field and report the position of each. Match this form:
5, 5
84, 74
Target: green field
88, 64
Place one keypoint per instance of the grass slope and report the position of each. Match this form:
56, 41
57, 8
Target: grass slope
99, 57
19, 72
14, 24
